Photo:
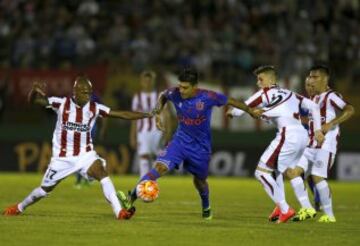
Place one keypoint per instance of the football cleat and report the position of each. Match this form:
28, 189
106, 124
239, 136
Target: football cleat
207, 214
274, 216
326, 219
124, 215
12, 210
304, 214
283, 218
125, 202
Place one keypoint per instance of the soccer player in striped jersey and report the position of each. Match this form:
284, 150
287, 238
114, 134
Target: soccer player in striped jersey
281, 107
318, 158
144, 136
73, 149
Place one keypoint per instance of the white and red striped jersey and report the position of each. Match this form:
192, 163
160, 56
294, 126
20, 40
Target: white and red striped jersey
329, 102
72, 134
145, 102
281, 106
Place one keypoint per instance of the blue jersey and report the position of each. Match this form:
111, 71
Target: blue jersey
194, 115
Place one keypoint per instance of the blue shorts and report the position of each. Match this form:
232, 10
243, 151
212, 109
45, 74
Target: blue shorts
194, 157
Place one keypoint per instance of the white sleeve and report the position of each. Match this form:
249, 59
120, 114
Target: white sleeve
102, 110
336, 101
315, 112
255, 100
55, 103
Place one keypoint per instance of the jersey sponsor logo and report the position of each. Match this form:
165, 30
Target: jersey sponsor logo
190, 121
200, 105
72, 126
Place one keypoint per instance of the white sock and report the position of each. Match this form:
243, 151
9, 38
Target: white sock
280, 182
301, 192
325, 197
144, 166
110, 195
33, 197
273, 190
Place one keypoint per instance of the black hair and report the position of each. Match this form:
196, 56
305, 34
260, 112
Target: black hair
322, 68
189, 75
265, 68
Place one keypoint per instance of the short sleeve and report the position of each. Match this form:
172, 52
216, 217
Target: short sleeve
169, 94
217, 99
337, 101
55, 103
102, 110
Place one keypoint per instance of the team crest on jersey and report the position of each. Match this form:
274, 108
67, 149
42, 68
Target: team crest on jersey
200, 105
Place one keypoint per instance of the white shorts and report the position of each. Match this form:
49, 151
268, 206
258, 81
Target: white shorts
316, 162
148, 142
285, 150
62, 167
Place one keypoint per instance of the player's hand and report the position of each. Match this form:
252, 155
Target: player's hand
229, 113
326, 127
159, 124
256, 112
39, 87
319, 137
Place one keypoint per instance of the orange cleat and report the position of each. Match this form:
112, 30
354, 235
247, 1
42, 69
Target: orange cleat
12, 210
285, 217
274, 216
126, 214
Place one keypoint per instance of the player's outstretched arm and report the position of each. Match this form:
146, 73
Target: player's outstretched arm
129, 115
160, 104
37, 94
256, 113
347, 112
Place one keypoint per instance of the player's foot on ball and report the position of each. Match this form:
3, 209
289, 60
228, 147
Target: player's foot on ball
125, 202
12, 210
207, 214
326, 219
283, 218
274, 216
304, 214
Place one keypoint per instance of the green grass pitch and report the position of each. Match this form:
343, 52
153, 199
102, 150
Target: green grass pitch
82, 217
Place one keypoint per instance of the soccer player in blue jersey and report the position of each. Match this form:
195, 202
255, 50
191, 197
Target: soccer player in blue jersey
191, 143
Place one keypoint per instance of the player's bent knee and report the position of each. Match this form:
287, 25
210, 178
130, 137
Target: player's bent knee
97, 170
317, 179
47, 189
161, 168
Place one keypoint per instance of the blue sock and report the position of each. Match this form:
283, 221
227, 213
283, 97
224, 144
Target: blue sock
151, 175
316, 195
204, 194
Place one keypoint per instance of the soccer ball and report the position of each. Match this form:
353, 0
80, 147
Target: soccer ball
147, 190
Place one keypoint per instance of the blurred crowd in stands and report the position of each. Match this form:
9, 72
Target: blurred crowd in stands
224, 39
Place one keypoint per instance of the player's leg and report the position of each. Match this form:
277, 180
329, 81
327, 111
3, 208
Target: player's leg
144, 152
202, 187
57, 170
156, 172
315, 193
319, 173
274, 191
166, 161
97, 171
144, 164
